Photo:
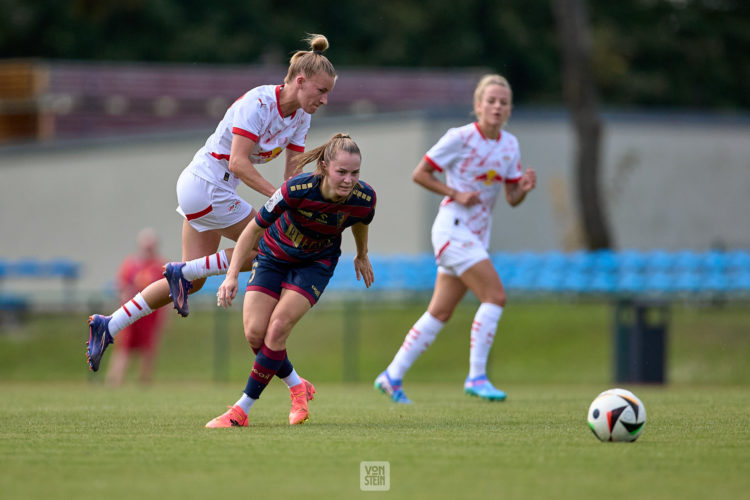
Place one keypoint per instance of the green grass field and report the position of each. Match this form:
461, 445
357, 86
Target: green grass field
65, 434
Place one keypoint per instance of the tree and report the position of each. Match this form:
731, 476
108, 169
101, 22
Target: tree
581, 96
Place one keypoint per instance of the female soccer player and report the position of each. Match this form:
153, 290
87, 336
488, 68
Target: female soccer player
478, 160
300, 226
255, 129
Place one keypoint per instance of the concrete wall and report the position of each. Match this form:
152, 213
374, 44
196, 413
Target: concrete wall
668, 183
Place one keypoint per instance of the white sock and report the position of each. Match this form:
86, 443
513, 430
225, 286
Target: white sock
482, 334
419, 338
245, 402
292, 379
209, 265
128, 313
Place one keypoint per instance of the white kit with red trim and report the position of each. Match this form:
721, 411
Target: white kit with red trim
472, 162
257, 116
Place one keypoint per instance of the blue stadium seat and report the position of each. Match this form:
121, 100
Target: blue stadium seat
739, 282
523, 280
419, 272
687, 260
658, 261
580, 261
64, 268
603, 282
605, 261
630, 282
506, 274
575, 282
549, 281
528, 259
714, 282
738, 261
504, 262
659, 283
26, 268
687, 281
714, 261
554, 261
40, 268
632, 261
385, 274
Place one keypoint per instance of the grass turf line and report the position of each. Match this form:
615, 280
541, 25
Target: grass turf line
73, 440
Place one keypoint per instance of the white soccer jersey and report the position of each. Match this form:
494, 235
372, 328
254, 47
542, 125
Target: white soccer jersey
257, 116
472, 162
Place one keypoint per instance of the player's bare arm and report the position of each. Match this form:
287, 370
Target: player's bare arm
515, 192
241, 166
291, 168
424, 175
362, 264
246, 244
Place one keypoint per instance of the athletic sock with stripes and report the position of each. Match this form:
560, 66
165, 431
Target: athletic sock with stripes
482, 335
210, 265
419, 338
267, 363
130, 312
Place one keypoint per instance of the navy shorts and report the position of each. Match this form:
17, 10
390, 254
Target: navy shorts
269, 276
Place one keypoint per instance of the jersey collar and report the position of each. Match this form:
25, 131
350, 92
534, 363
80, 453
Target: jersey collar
278, 103
499, 133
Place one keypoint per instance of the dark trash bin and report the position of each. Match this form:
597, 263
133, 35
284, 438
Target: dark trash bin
640, 341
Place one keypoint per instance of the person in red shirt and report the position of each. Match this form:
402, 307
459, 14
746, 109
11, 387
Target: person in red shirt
137, 271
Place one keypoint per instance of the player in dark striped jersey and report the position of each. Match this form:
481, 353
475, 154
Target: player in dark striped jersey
298, 233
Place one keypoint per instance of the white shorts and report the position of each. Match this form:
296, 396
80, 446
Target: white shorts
456, 248
207, 206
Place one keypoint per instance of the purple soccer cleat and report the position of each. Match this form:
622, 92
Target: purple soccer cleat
178, 287
99, 339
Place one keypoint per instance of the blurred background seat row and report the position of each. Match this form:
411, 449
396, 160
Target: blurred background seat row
605, 272
627, 272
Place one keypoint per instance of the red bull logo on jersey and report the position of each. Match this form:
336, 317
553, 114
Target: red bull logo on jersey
269, 155
489, 177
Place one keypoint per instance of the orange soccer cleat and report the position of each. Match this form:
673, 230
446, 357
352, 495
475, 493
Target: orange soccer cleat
234, 417
300, 395
309, 388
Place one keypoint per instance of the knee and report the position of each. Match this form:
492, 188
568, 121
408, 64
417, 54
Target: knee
255, 340
278, 331
254, 336
442, 315
496, 297
279, 326
499, 299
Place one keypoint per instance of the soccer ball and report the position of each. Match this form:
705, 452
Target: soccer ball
617, 415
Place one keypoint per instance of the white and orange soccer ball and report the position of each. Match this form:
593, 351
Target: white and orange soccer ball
617, 415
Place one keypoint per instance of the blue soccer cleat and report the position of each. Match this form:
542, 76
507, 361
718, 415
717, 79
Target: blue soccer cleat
178, 287
99, 339
391, 387
481, 387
